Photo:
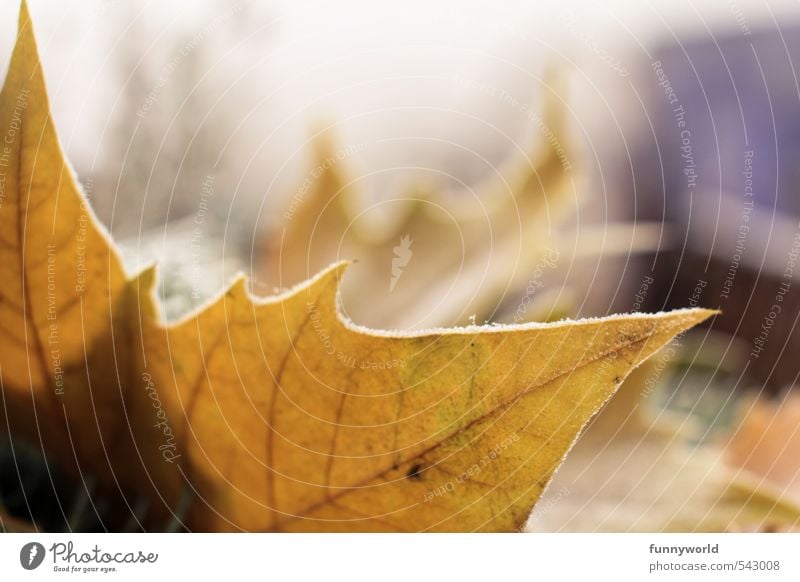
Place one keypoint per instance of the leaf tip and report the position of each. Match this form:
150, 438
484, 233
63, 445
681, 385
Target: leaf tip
700, 314
332, 272
238, 287
145, 280
24, 18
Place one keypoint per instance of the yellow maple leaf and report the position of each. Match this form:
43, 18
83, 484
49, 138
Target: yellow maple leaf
277, 414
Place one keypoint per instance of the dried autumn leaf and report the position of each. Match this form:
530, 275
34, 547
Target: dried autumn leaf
438, 259
332, 425
277, 413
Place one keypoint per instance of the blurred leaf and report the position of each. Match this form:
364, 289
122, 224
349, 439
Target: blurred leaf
464, 253
766, 442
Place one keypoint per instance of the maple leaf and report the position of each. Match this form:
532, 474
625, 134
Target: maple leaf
276, 413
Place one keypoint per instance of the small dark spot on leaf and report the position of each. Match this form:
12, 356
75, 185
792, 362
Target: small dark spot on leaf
617, 379
414, 472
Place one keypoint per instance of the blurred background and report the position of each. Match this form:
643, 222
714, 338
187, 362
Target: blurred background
482, 161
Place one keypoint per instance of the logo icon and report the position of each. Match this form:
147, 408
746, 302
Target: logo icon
402, 255
31, 555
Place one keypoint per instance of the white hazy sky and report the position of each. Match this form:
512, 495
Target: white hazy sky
77, 37
358, 61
